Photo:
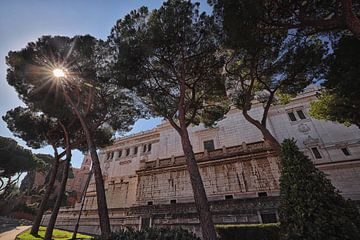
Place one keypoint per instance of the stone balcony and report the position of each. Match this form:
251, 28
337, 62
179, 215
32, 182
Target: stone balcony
245, 149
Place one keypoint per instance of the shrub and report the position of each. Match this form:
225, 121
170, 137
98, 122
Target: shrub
150, 234
310, 207
249, 232
22, 207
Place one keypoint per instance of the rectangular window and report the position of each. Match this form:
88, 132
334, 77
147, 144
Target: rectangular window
227, 197
262, 194
268, 217
173, 201
127, 151
209, 145
149, 147
316, 152
301, 114
346, 151
145, 223
144, 148
119, 153
150, 203
110, 156
292, 116
135, 150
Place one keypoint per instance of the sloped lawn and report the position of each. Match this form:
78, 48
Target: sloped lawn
57, 234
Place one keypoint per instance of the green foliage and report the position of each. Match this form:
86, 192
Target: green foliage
169, 52
86, 82
83, 98
249, 232
341, 102
283, 98
313, 23
343, 71
310, 207
334, 108
44, 162
38, 129
43, 165
14, 158
263, 63
22, 207
170, 58
306, 17
275, 63
29, 126
150, 234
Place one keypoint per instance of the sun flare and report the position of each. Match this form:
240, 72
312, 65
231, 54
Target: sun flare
59, 73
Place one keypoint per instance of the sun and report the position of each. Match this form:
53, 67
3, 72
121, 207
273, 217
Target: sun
59, 73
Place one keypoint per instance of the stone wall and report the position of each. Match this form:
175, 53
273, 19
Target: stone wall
233, 211
234, 171
345, 176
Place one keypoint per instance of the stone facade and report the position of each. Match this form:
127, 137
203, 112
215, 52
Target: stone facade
235, 172
76, 184
147, 183
74, 187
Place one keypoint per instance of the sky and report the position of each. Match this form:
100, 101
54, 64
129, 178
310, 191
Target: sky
23, 21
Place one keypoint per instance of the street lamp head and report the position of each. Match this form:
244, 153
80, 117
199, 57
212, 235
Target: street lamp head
58, 73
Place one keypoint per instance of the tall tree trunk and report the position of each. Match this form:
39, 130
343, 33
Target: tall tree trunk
351, 20
100, 190
99, 182
201, 202
45, 198
271, 140
55, 211
82, 204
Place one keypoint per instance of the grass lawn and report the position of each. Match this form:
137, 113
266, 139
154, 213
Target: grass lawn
57, 234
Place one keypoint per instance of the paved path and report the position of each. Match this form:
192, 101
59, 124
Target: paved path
7, 224
10, 235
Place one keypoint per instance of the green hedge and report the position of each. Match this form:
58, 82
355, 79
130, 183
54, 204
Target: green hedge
22, 207
150, 234
249, 232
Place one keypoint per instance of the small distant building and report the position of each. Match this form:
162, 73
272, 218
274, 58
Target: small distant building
34, 186
75, 186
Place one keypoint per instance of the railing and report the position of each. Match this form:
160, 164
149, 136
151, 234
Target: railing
242, 149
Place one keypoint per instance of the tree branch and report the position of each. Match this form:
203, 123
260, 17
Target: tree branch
174, 125
267, 107
351, 20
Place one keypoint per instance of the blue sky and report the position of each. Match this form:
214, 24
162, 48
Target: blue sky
23, 21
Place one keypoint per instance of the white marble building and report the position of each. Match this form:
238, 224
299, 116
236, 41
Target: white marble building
148, 169
333, 147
